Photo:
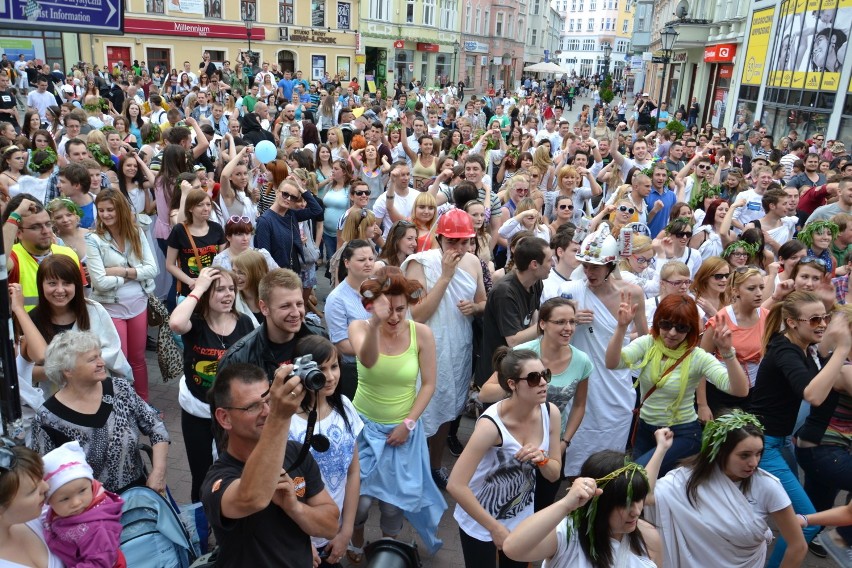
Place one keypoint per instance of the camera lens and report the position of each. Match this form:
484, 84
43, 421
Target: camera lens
313, 379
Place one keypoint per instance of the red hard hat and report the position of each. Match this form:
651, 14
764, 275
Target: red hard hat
456, 224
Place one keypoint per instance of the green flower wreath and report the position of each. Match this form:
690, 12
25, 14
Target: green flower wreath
48, 162
687, 220
394, 127
751, 248
590, 509
705, 190
458, 151
806, 235
108, 129
716, 431
101, 157
93, 107
153, 134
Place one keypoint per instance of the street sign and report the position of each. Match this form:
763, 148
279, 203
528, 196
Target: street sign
657, 59
90, 16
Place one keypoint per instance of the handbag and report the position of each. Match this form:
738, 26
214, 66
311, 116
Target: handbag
169, 355
310, 251
157, 312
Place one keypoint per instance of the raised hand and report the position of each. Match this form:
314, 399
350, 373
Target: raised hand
626, 310
722, 335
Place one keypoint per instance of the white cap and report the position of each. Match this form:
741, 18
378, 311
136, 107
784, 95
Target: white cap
599, 248
64, 464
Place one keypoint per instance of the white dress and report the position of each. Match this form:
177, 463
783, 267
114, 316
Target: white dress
611, 397
569, 553
453, 341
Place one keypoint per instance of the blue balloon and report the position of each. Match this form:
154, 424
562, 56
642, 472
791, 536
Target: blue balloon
265, 151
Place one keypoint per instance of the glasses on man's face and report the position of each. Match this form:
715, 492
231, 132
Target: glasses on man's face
39, 227
703, 167
534, 379
816, 321
253, 408
819, 139
666, 325
291, 197
626, 209
678, 283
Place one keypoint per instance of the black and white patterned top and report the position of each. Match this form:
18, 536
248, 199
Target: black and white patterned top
110, 437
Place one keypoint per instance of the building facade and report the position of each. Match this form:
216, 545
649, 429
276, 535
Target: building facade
794, 68
316, 36
410, 39
589, 24
544, 31
493, 33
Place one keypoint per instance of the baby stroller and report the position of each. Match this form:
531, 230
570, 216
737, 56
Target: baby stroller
152, 535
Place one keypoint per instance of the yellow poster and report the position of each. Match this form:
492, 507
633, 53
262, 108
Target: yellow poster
758, 46
812, 37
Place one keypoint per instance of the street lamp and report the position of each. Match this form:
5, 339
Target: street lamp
607, 49
455, 62
668, 37
249, 22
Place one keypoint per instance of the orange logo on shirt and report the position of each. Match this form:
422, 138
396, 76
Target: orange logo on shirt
299, 486
216, 485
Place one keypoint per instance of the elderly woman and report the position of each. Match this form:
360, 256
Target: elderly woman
104, 414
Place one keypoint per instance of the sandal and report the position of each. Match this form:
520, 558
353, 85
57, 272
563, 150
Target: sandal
354, 554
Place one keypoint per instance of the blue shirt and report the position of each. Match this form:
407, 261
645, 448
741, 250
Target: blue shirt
342, 307
287, 87
661, 219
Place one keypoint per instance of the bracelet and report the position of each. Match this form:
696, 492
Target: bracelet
804, 518
566, 442
13, 221
125, 273
730, 354
543, 462
16, 216
194, 297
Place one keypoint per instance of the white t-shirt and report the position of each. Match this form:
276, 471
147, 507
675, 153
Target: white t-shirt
569, 553
630, 163
402, 203
753, 209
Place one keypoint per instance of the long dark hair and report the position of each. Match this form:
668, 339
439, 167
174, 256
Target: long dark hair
614, 497
173, 164
322, 350
702, 467
64, 268
347, 253
139, 178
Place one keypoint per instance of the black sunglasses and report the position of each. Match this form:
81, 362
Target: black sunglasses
291, 197
360, 193
534, 378
625, 208
721, 276
683, 234
666, 325
569, 207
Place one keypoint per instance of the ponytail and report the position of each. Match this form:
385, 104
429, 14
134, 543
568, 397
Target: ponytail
789, 308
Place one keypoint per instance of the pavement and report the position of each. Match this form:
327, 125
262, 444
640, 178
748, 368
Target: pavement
163, 396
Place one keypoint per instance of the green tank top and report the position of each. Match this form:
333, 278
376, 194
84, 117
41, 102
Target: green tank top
387, 390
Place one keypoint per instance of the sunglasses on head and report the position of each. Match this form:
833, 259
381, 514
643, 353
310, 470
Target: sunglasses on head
666, 325
813, 260
626, 209
534, 379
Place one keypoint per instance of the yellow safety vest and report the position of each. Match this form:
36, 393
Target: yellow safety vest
28, 269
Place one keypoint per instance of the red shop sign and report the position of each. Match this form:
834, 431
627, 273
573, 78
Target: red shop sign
722, 53
399, 44
190, 29
726, 71
428, 46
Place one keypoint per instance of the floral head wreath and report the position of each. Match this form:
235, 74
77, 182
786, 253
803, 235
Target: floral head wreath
108, 129
649, 171
590, 509
153, 134
750, 248
686, 220
67, 204
458, 151
394, 127
716, 431
101, 157
705, 190
48, 162
514, 152
806, 235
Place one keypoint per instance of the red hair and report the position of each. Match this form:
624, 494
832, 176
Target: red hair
678, 309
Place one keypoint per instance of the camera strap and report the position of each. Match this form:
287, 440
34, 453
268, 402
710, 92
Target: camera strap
309, 434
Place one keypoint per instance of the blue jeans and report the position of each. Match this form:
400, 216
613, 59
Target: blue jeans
827, 472
687, 442
774, 462
330, 245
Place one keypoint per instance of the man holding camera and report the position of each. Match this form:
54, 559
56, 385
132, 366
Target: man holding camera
273, 343
263, 507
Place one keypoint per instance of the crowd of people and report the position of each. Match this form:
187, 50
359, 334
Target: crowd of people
655, 317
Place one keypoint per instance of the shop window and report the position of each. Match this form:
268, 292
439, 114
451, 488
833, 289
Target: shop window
248, 10
317, 67
213, 9
162, 57
285, 11
845, 130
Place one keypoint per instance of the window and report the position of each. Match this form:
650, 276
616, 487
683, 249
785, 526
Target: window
317, 67
572, 45
477, 28
603, 23
581, 5
571, 25
509, 27
409, 12
590, 26
344, 15
248, 10
536, 7
586, 66
593, 5
161, 57
589, 44
448, 14
467, 19
155, 7
318, 14
624, 27
532, 42
378, 10
486, 23
498, 25
285, 10
429, 12
573, 5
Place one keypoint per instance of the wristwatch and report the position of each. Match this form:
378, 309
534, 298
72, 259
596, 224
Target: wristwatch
410, 424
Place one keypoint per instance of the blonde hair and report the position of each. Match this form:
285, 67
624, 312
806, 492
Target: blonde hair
542, 159
641, 243
356, 224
